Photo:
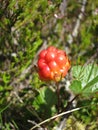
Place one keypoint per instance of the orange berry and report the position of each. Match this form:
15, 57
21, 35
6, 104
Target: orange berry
53, 64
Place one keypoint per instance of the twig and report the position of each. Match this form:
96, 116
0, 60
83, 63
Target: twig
61, 114
69, 105
19, 99
77, 25
62, 9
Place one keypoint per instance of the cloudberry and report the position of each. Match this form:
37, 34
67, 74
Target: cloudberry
53, 64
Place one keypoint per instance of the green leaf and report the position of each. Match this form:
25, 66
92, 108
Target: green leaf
87, 77
6, 78
92, 86
45, 102
46, 97
76, 86
76, 71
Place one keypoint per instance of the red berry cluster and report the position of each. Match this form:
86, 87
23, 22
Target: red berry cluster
53, 64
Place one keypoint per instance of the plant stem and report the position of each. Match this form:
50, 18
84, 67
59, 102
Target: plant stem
58, 96
69, 105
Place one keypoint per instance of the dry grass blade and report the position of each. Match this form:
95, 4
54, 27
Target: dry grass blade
61, 114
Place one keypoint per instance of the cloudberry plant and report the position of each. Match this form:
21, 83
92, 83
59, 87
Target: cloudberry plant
53, 64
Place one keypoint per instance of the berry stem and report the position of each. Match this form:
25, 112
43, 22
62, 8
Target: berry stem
58, 96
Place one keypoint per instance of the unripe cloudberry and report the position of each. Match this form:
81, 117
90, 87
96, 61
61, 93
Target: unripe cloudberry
53, 64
